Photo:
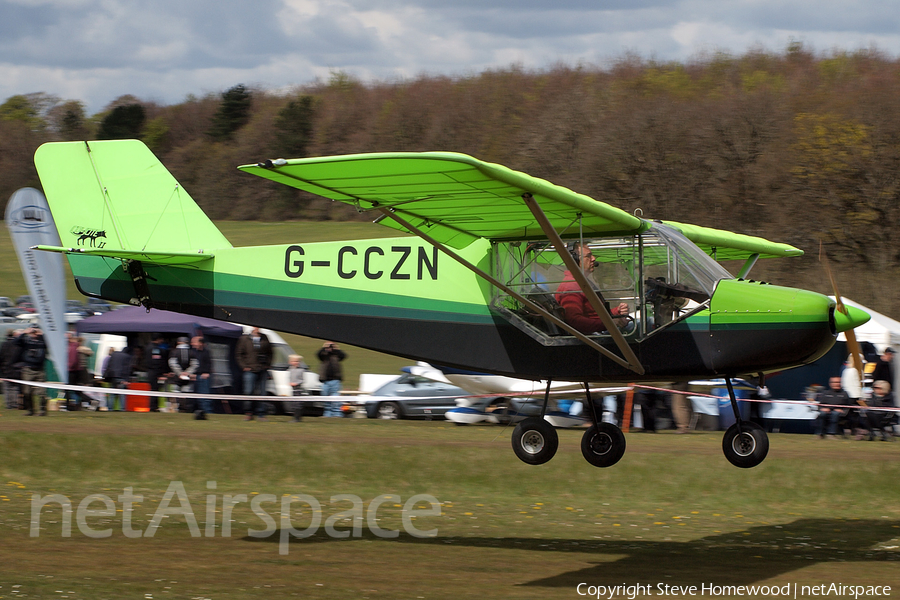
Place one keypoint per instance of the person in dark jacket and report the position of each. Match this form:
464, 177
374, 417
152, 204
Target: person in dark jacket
201, 376
884, 368
72, 367
156, 359
331, 374
183, 366
117, 374
9, 356
880, 420
254, 356
82, 376
32, 353
827, 420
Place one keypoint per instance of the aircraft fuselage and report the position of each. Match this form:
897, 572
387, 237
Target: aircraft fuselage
404, 297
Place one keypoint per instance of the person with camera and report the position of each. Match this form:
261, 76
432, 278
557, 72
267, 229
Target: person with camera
331, 374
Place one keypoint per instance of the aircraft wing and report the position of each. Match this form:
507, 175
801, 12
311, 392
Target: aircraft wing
455, 198
726, 245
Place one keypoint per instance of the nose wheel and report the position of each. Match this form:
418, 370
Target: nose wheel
746, 447
745, 443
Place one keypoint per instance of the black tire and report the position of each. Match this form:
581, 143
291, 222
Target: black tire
603, 446
534, 441
389, 410
747, 450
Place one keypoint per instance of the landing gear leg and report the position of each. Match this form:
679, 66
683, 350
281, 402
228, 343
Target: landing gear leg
534, 440
546, 398
603, 444
745, 443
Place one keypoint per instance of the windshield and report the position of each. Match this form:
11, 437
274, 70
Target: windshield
686, 263
660, 275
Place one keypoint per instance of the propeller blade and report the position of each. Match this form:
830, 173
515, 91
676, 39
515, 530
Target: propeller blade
849, 319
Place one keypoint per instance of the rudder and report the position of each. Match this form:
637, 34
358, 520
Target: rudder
117, 195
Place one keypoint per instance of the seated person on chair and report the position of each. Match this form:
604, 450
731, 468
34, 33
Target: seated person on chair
880, 421
578, 310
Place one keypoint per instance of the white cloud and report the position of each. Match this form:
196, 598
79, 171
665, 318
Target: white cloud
95, 50
687, 34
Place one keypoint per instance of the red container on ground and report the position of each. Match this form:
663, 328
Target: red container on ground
138, 403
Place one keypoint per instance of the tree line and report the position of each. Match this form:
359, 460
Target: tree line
792, 146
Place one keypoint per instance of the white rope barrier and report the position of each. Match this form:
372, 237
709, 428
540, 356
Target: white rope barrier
532, 394
86, 389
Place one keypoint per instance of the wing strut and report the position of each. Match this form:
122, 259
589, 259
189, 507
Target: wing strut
745, 270
533, 306
631, 359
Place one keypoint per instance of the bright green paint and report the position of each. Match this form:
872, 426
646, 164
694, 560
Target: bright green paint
157, 258
725, 245
453, 280
454, 197
457, 198
854, 318
120, 188
749, 304
239, 291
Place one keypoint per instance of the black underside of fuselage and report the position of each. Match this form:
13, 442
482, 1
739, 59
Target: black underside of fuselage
678, 353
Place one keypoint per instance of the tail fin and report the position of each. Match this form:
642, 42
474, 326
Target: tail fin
115, 195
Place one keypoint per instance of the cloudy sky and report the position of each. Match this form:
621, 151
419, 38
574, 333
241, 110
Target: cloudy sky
163, 50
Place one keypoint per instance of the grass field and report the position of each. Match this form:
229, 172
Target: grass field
248, 233
672, 512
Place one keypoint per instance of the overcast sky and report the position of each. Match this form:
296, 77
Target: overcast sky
163, 50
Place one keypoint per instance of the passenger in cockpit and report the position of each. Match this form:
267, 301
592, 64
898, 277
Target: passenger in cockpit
578, 310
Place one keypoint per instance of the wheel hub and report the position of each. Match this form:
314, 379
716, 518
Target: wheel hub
601, 443
743, 444
532, 442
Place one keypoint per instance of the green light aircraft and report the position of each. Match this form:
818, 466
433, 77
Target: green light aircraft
506, 273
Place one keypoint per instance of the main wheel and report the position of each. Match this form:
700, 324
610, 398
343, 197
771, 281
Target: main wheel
535, 441
603, 445
748, 449
389, 410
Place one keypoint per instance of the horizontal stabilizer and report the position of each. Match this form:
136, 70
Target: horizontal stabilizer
156, 258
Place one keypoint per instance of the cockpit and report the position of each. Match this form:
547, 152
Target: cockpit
659, 277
